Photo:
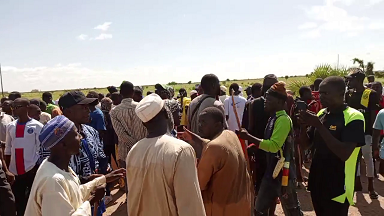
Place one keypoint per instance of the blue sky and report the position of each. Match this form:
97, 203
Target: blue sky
93, 43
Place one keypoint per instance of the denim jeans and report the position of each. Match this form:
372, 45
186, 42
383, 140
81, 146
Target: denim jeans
270, 190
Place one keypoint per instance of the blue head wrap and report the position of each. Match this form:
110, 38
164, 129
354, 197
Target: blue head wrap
54, 131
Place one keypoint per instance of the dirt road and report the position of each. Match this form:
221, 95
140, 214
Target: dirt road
364, 205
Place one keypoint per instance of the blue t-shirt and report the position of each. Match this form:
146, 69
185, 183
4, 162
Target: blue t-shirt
97, 120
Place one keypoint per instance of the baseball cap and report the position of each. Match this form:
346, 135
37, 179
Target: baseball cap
355, 73
72, 98
149, 107
223, 88
159, 86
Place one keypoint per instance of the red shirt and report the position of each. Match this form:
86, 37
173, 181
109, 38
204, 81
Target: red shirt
315, 104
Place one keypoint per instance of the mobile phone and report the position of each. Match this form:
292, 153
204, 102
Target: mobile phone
301, 105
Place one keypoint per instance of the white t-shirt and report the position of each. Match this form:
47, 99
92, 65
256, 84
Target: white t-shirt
223, 97
23, 145
240, 105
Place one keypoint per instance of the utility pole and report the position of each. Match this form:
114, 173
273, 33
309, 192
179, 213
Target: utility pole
1, 78
338, 61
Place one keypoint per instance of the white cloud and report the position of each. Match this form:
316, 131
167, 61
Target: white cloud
373, 2
104, 27
311, 34
308, 25
103, 36
82, 37
376, 25
329, 17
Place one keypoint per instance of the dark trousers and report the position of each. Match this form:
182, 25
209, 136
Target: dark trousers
109, 150
328, 207
22, 188
270, 190
7, 200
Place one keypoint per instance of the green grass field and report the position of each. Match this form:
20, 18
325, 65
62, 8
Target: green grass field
293, 83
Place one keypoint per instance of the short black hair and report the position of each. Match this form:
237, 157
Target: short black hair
336, 82
317, 82
35, 102
126, 88
257, 87
112, 89
92, 94
149, 92
304, 89
47, 94
33, 107
14, 95
208, 81
115, 95
138, 89
215, 113
235, 87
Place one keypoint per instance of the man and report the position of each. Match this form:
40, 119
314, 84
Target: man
222, 170
96, 115
172, 106
184, 104
5, 119
193, 94
51, 108
7, 199
371, 79
161, 171
21, 152
256, 91
223, 94
44, 117
34, 112
248, 91
210, 84
127, 125
232, 102
137, 94
14, 95
306, 95
257, 122
116, 98
6, 107
366, 101
336, 133
277, 143
56, 189
315, 92
76, 107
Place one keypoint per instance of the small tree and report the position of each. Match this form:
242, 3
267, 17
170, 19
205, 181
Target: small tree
228, 80
369, 68
189, 82
286, 77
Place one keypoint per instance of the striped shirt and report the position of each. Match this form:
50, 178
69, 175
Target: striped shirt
128, 127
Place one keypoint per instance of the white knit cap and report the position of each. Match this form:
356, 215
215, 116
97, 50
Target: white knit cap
149, 107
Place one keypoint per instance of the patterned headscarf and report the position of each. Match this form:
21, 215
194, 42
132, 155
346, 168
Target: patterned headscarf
106, 104
54, 131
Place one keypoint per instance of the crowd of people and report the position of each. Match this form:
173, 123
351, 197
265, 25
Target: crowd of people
217, 152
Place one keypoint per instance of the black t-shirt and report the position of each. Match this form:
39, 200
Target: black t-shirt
353, 99
327, 172
259, 118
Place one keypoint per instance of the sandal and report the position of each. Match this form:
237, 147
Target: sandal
373, 195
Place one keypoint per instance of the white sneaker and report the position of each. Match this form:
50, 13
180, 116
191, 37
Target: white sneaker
107, 199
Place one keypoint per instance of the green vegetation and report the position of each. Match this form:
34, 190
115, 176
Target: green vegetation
293, 82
